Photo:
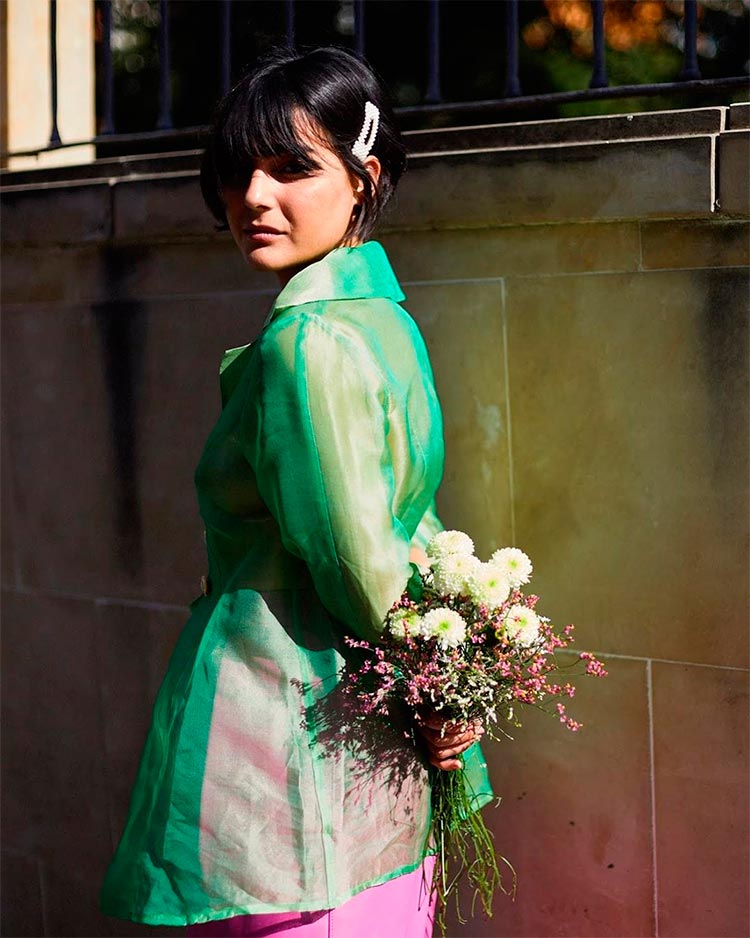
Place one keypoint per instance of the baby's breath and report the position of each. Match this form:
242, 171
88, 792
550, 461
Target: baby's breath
472, 647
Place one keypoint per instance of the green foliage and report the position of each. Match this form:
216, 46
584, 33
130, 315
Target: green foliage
562, 71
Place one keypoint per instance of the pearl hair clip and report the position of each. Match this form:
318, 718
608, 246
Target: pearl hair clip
368, 133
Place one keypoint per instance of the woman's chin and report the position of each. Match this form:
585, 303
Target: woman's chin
259, 260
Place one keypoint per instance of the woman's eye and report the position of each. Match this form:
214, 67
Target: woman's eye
294, 168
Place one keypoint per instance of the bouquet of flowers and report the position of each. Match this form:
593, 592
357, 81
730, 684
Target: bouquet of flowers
465, 644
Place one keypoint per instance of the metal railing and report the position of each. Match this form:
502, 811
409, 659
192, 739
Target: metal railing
688, 81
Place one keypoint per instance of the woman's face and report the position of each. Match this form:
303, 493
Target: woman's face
287, 216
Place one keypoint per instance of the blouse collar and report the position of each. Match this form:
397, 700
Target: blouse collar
344, 273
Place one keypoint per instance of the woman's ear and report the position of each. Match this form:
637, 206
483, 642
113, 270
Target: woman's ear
373, 167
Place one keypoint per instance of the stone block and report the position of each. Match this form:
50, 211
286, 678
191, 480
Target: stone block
165, 206
734, 172
102, 273
628, 396
54, 780
56, 426
675, 244
702, 794
575, 821
134, 645
180, 404
739, 116
56, 213
8, 569
101, 169
195, 267
78, 683
463, 328
21, 913
125, 405
53, 274
601, 128
609, 181
463, 254
71, 893
72, 909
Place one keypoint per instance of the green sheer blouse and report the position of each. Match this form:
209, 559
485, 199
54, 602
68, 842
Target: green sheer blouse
252, 794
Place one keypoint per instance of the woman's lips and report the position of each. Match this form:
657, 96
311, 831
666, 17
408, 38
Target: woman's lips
262, 236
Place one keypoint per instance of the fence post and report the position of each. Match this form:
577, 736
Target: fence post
27, 51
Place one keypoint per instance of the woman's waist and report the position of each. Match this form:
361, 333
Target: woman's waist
259, 562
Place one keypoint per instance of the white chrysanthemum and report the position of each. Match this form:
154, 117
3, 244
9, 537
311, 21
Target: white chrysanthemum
446, 543
451, 573
403, 621
514, 563
446, 625
488, 585
522, 625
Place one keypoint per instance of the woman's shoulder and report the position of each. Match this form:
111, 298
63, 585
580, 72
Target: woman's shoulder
319, 336
359, 325
371, 342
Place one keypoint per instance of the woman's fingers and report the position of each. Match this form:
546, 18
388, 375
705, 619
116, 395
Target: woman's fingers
447, 765
446, 740
459, 743
447, 759
441, 725
448, 751
444, 756
450, 738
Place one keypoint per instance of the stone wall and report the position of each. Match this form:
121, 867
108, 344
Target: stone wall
583, 288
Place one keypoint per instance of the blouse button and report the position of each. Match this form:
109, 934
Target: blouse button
205, 585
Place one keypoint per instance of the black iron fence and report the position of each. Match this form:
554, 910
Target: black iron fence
432, 109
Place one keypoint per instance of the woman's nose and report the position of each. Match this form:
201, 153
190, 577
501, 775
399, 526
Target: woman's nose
258, 192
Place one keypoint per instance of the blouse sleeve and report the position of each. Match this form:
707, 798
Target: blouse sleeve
429, 526
317, 439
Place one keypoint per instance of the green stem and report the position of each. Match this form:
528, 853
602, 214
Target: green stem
463, 841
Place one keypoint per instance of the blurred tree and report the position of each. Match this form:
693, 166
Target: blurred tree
645, 45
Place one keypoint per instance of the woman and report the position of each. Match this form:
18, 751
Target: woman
250, 812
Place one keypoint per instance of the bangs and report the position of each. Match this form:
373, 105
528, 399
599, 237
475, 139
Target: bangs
262, 122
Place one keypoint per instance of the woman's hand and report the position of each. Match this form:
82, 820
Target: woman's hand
419, 557
445, 741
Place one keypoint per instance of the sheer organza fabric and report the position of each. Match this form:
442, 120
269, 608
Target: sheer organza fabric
318, 476
404, 907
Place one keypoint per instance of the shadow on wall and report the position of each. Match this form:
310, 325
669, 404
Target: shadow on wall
122, 329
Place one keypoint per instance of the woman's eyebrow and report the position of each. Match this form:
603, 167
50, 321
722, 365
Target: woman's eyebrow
289, 154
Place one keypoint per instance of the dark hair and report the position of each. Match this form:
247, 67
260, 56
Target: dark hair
328, 85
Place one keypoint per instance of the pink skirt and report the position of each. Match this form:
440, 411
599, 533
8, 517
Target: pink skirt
400, 908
